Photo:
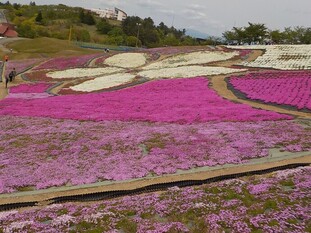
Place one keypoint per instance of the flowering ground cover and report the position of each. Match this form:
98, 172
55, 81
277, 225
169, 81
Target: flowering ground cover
30, 91
104, 82
244, 53
41, 152
37, 76
275, 203
283, 57
188, 63
194, 58
82, 72
100, 60
285, 88
20, 65
173, 100
187, 71
127, 60
30, 88
62, 63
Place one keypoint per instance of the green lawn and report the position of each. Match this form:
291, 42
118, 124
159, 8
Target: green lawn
45, 47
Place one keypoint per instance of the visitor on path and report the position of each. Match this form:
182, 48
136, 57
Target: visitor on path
6, 81
14, 73
11, 76
6, 58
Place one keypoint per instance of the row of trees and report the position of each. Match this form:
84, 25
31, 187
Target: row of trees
56, 20
259, 33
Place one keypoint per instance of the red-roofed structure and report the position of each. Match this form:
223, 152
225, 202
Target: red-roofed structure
7, 30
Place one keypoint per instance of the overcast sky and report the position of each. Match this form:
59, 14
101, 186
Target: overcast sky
211, 17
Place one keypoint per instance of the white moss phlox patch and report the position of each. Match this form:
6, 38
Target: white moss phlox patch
127, 60
282, 57
201, 57
187, 71
104, 82
82, 72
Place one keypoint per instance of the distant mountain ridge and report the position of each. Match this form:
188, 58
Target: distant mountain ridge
196, 34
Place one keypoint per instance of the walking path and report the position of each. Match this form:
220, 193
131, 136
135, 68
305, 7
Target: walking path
275, 159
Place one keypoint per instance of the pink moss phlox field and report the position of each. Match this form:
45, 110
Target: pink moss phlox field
20, 65
100, 60
30, 88
174, 100
280, 203
245, 52
63, 63
286, 88
42, 153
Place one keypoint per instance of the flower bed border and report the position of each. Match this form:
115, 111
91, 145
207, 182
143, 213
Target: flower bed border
243, 96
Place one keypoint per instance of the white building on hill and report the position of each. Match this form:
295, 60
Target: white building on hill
115, 13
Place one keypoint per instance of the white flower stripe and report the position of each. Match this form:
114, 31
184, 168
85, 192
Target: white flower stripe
282, 57
187, 71
194, 58
103, 82
127, 60
82, 72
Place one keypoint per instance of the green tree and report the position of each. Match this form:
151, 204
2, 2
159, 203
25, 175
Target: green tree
26, 29
230, 36
306, 38
130, 25
171, 40
255, 32
81, 35
39, 17
89, 19
132, 40
240, 34
276, 36
103, 26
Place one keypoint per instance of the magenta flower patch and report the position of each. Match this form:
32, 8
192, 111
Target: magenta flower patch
284, 88
62, 63
176, 100
30, 88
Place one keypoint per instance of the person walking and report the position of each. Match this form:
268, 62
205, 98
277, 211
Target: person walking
6, 81
11, 75
14, 73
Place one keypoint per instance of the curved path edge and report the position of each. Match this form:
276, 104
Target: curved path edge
219, 84
43, 197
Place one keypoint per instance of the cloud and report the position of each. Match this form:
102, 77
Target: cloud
166, 11
196, 6
194, 14
149, 3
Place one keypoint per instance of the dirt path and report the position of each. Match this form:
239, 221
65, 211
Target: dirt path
231, 62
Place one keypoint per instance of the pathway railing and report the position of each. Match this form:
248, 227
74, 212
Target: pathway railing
103, 46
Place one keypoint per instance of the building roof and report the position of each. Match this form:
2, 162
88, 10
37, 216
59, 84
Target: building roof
7, 30
11, 33
3, 29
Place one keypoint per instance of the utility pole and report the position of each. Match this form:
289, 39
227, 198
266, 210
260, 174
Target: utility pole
138, 24
70, 34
